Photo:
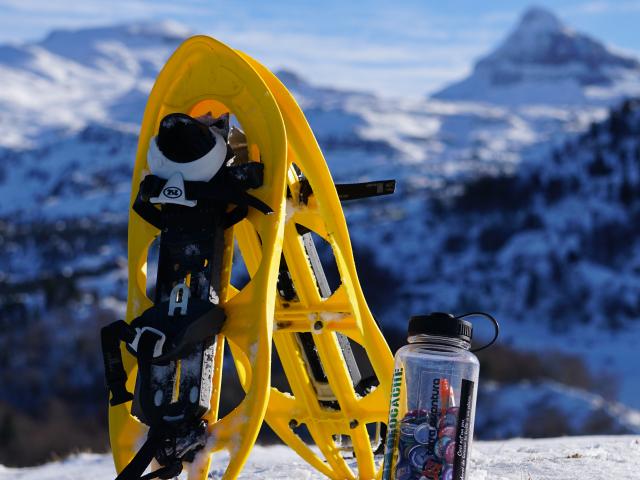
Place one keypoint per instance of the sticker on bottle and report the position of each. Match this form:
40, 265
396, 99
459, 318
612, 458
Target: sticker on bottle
430, 442
392, 429
462, 431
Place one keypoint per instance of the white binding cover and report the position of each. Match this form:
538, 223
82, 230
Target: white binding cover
200, 170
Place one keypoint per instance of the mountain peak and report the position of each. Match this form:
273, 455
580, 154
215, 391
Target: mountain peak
541, 38
539, 19
542, 61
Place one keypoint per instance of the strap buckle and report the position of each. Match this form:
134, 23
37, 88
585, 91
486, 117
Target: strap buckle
157, 349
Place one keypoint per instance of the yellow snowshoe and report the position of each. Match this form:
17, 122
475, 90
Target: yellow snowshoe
176, 342
200, 199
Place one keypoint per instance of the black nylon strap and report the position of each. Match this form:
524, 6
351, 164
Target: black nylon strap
204, 327
247, 175
148, 212
223, 192
355, 191
352, 191
235, 215
216, 189
136, 467
116, 376
204, 321
142, 459
146, 347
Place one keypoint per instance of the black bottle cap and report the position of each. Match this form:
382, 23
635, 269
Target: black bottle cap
440, 324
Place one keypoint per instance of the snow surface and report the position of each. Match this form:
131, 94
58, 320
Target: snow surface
569, 458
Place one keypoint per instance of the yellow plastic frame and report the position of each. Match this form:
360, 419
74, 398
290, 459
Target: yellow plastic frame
346, 311
204, 74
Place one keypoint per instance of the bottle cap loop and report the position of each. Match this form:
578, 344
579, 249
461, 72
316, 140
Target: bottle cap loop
496, 327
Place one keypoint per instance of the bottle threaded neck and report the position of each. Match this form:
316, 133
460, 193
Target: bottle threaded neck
439, 341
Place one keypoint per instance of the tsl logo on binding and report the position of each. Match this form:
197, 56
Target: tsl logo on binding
172, 192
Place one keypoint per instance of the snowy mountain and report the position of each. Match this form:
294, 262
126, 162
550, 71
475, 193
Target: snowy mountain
526, 211
552, 249
72, 78
545, 62
558, 458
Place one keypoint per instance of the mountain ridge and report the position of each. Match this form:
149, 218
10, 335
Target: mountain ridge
544, 61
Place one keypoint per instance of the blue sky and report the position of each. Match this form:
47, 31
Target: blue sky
406, 47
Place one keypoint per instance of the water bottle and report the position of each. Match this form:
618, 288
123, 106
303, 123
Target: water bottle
433, 399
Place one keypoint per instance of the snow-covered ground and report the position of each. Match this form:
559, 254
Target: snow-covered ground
568, 458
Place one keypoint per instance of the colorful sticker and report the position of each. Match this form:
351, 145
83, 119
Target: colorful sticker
391, 444
430, 443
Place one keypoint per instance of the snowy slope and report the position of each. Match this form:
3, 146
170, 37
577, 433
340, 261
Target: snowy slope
552, 250
75, 79
541, 408
551, 459
545, 62
72, 78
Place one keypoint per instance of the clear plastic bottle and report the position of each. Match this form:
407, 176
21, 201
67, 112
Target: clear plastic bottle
433, 399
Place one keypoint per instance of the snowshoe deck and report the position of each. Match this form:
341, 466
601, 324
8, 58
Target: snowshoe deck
203, 76
336, 394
